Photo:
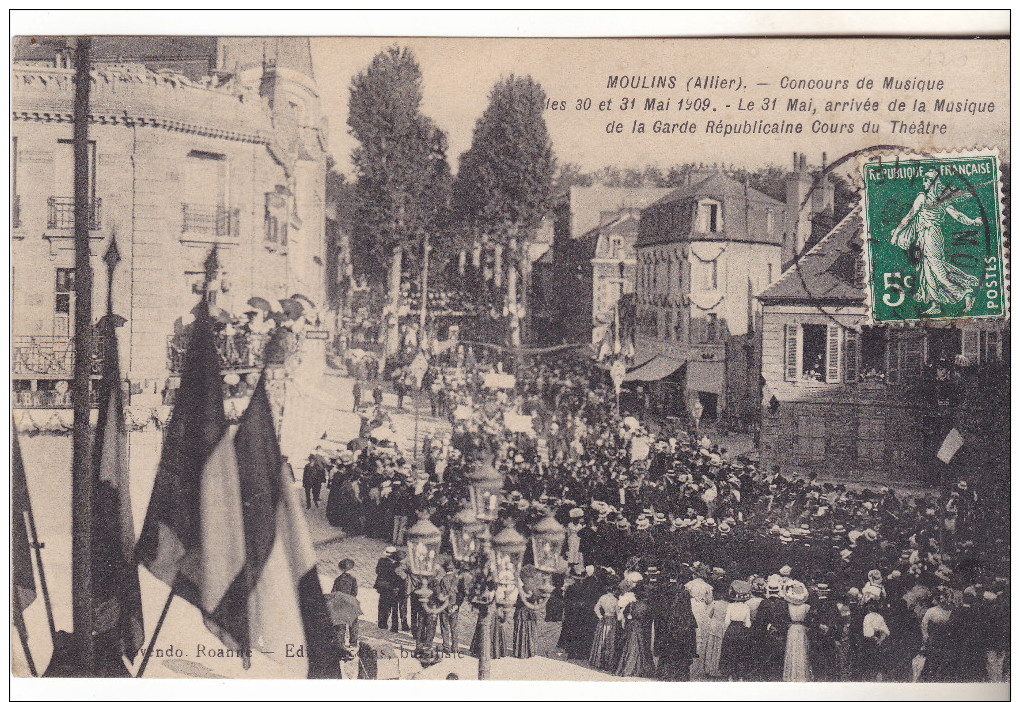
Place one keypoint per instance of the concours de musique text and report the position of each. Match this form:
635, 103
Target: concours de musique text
733, 106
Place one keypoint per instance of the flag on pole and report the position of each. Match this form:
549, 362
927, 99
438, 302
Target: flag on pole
23, 592
950, 445
117, 593
225, 530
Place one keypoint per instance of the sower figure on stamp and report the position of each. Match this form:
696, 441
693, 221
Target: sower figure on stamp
938, 281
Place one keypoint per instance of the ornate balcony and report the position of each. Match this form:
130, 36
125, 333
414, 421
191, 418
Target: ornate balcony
210, 221
51, 357
60, 213
237, 352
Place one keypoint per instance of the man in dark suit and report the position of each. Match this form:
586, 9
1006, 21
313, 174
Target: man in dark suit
388, 584
348, 584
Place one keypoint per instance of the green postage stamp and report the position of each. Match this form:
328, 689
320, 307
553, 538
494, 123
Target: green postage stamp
933, 237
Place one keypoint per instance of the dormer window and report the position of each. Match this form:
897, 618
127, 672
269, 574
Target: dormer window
709, 218
616, 247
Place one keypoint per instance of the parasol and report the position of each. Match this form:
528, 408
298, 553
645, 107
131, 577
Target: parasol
292, 308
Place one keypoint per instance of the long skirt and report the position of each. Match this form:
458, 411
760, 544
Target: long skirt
603, 648
795, 666
713, 651
735, 658
636, 654
500, 640
701, 646
525, 633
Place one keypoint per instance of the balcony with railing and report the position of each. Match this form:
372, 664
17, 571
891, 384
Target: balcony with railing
42, 367
209, 222
237, 352
60, 213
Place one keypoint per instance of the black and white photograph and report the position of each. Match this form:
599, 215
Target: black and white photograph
680, 358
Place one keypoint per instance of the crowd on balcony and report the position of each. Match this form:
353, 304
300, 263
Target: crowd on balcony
683, 563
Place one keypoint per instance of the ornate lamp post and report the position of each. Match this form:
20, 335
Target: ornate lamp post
547, 539
423, 541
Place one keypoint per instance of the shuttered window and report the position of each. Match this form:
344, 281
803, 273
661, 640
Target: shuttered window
792, 352
833, 361
851, 354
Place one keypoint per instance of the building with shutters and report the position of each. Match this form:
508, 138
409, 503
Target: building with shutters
850, 400
704, 251
195, 143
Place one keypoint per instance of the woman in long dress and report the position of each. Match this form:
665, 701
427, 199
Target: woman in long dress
636, 654
681, 628
603, 647
796, 667
735, 658
502, 604
526, 623
938, 281
716, 629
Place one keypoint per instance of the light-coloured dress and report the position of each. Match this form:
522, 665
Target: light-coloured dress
796, 667
716, 630
938, 281
701, 600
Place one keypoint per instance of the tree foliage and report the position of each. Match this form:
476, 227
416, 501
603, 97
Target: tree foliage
505, 178
403, 178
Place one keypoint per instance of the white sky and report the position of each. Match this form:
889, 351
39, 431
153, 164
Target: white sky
458, 74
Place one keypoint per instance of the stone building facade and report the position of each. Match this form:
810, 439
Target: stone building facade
849, 400
232, 159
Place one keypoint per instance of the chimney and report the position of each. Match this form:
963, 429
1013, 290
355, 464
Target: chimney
798, 218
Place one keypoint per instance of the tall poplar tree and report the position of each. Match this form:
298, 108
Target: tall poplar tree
504, 184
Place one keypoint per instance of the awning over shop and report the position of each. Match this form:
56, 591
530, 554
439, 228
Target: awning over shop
657, 368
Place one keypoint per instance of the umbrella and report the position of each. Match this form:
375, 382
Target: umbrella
261, 303
303, 299
292, 308
358, 443
343, 609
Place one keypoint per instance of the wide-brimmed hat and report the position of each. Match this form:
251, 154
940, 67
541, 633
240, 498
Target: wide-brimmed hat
822, 591
774, 584
741, 590
576, 513
795, 592
346, 564
870, 534
875, 576
785, 537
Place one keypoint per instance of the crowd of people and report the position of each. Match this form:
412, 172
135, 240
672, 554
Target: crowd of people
681, 562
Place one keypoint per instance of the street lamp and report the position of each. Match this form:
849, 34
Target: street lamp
485, 485
465, 531
423, 541
546, 541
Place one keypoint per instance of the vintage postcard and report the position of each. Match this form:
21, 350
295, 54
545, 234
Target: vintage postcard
675, 360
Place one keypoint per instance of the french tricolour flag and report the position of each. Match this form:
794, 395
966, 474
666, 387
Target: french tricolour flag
224, 529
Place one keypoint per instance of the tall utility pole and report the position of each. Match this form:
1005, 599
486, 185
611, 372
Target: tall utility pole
82, 478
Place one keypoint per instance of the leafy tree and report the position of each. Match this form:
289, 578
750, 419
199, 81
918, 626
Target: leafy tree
402, 186
504, 185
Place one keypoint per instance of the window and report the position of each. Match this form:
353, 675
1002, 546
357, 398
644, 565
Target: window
616, 246
981, 346
678, 325
905, 353
206, 188
770, 222
712, 327
704, 274
813, 353
811, 435
871, 439
63, 306
60, 203
709, 218
768, 268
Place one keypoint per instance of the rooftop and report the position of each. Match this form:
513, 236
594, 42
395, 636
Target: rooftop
828, 271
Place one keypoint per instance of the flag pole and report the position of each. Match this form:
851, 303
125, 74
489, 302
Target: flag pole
155, 634
82, 476
37, 547
23, 637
